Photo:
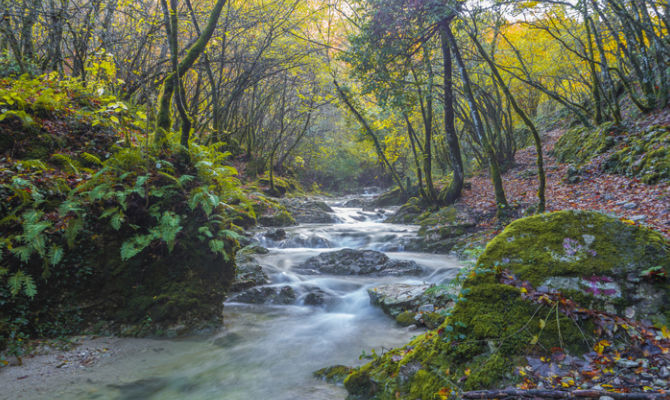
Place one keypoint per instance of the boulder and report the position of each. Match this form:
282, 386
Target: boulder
598, 261
358, 262
499, 328
396, 298
248, 273
309, 212
266, 295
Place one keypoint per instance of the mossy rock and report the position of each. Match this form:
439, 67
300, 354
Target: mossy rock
393, 197
599, 259
489, 334
335, 374
407, 213
645, 155
580, 144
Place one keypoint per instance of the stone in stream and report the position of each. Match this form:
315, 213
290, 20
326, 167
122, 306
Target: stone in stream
413, 303
358, 262
248, 272
393, 299
266, 295
309, 212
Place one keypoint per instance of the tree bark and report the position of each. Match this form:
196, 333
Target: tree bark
453, 191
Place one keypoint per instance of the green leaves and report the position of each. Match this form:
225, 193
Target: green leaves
19, 281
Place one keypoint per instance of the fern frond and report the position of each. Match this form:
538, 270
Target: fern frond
91, 158
67, 161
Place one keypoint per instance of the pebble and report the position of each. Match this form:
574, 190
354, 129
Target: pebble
630, 206
664, 373
662, 383
638, 218
627, 363
605, 398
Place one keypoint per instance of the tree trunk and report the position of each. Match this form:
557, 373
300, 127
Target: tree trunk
163, 119
453, 191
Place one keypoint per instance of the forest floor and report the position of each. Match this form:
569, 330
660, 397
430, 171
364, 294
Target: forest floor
629, 198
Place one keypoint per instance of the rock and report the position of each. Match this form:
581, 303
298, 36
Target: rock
627, 363
638, 218
664, 372
406, 318
248, 273
586, 255
266, 295
309, 212
334, 375
358, 262
426, 308
596, 260
630, 206
407, 213
277, 218
276, 234
356, 203
605, 398
396, 298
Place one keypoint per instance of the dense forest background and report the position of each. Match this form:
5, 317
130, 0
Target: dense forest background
139, 139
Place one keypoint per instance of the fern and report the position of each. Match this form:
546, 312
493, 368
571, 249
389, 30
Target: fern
67, 161
91, 158
55, 255
32, 164
20, 280
134, 246
168, 228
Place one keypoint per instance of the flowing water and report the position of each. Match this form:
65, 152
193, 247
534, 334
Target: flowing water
270, 351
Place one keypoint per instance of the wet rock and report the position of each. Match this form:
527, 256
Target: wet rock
309, 212
266, 295
358, 262
310, 242
357, 203
407, 213
316, 297
248, 272
277, 218
396, 298
276, 234
334, 374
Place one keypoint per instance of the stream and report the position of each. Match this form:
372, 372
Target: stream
269, 351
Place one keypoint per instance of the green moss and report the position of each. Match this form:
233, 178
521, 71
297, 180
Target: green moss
405, 318
423, 385
644, 155
490, 332
335, 374
580, 144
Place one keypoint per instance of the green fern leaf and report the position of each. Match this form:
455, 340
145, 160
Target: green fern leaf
15, 282
91, 158
23, 253
133, 246
55, 255
29, 287
67, 161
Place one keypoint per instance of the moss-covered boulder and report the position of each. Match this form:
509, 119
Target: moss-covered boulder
407, 213
496, 324
600, 261
645, 154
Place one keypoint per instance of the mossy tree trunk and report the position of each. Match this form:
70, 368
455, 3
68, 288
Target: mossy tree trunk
170, 84
453, 191
494, 168
526, 120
